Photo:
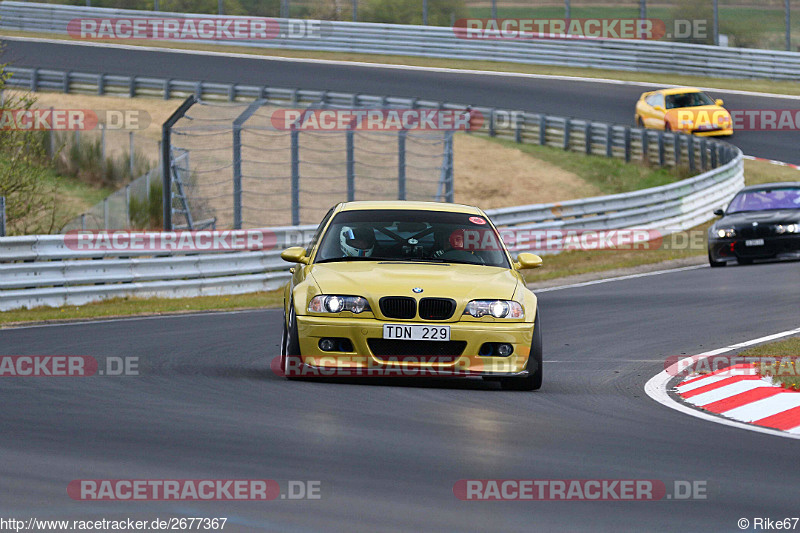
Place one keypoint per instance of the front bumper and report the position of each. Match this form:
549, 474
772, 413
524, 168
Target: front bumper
775, 246
362, 361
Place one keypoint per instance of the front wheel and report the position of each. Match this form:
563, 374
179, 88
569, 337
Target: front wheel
639, 122
533, 381
667, 126
290, 345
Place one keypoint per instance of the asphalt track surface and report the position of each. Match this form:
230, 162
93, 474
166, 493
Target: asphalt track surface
580, 99
387, 453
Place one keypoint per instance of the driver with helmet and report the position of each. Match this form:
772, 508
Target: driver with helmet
357, 241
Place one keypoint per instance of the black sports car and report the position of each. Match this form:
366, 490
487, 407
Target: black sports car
761, 222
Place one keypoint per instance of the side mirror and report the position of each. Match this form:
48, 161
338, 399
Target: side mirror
526, 261
719, 102
295, 254
660, 109
719, 212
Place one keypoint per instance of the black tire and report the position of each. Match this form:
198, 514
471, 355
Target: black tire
744, 261
290, 343
667, 126
533, 381
639, 122
715, 264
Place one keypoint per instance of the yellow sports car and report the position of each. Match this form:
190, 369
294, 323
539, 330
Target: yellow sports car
410, 289
684, 109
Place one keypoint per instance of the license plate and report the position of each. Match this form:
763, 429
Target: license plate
410, 332
754, 242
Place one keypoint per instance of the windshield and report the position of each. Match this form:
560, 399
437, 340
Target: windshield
688, 100
766, 200
411, 235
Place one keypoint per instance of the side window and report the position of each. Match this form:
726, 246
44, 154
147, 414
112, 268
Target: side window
315, 238
659, 100
651, 100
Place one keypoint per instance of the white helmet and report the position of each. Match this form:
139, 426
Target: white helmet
357, 242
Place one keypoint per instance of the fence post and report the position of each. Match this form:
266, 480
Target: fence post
690, 152
2, 216
401, 165
166, 163
101, 84
492, 131
65, 82
714, 155
678, 146
627, 144
609, 140
645, 147
703, 154
351, 164
295, 177
238, 124
661, 149
519, 120
127, 206
542, 130
35, 80
587, 137
83, 221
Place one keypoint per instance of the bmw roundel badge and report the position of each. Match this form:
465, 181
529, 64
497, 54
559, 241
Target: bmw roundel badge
417, 290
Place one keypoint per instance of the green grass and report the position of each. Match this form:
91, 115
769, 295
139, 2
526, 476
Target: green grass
766, 86
785, 372
610, 175
143, 306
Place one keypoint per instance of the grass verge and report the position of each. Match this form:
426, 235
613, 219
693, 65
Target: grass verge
786, 372
766, 86
143, 306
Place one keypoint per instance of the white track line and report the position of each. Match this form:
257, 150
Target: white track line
656, 387
387, 66
619, 278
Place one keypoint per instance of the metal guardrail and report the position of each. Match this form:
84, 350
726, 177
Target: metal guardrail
439, 42
43, 270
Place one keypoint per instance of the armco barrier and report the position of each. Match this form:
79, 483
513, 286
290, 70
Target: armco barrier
441, 42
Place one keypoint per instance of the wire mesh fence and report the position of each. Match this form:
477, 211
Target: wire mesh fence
241, 169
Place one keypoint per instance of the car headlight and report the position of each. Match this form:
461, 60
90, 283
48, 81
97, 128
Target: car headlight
726, 233
495, 308
787, 228
331, 303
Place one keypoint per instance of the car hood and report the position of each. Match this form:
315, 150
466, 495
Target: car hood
375, 279
762, 217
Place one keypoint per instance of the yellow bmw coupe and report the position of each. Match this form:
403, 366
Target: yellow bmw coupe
410, 289
683, 109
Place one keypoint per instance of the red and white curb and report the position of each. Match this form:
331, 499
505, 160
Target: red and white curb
772, 162
740, 393
657, 389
